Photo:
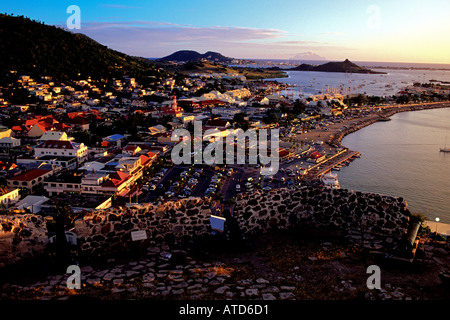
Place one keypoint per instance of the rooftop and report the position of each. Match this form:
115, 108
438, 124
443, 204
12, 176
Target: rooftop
30, 175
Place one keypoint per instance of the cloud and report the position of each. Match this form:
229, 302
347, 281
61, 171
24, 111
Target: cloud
157, 39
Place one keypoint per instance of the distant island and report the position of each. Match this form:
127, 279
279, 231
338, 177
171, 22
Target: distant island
191, 55
346, 67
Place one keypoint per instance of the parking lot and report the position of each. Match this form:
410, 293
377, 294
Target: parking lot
181, 181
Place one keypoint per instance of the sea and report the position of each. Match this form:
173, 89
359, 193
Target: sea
397, 77
400, 157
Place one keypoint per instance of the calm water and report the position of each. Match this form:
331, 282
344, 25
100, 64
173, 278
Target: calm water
402, 158
311, 83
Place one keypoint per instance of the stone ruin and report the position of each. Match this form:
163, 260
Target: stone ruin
360, 215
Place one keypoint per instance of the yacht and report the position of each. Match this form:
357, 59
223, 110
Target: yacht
445, 149
330, 180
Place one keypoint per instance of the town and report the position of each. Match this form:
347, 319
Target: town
95, 144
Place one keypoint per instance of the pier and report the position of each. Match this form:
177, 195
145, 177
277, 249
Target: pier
332, 162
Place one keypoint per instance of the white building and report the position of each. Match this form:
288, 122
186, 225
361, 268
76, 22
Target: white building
62, 148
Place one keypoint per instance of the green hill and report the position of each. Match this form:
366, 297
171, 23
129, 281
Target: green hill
36, 49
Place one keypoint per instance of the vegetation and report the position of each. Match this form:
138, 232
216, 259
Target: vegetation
33, 48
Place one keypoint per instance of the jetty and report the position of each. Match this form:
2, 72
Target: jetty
329, 163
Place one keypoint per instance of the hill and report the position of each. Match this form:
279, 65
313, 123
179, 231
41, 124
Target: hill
190, 55
345, 66
207, 67
36, 49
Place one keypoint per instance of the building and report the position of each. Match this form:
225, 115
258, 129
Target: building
115, 139
66, 182
224, 112
62, 148
29, 180
32, 203
10, 197
54, 135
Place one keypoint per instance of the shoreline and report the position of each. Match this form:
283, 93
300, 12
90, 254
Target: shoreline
336, 132
386, 114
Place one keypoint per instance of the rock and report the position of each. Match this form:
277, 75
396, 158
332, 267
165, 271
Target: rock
178, 291
252, 292
261, 280
86, 269
221, 290
210, 275
118, 281
286, 295
441, 250
109, 276
268, 296
312, 258
288, 288
93, 281
271, 289
117, 290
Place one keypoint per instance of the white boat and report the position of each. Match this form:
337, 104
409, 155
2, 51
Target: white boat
330, 180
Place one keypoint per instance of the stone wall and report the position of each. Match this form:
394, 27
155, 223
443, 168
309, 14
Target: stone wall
21, 236
109, 231
371, 213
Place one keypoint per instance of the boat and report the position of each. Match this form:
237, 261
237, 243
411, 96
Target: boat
445, 149
330, 180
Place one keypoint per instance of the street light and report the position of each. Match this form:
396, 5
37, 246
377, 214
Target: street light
437, 220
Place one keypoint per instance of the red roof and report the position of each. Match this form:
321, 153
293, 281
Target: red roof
116, 179
17, 128
283, 153
30, 175
106, 143
144, 159
316, 155
56, 144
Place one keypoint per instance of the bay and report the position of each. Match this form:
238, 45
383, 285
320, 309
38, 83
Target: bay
312, 83
402, 158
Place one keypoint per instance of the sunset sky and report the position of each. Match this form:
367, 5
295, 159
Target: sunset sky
394, 31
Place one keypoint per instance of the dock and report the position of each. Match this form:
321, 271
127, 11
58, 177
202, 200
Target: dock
328, 164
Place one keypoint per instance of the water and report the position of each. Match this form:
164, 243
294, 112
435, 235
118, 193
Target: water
402, 158
395, 80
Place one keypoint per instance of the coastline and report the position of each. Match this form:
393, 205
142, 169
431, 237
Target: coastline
372, 118
338, 131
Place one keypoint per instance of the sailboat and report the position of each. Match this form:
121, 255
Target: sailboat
445, 149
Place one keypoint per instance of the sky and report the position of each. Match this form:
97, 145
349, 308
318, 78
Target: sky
377, 30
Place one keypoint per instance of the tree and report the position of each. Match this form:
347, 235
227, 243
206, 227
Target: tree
240, 121
270, 118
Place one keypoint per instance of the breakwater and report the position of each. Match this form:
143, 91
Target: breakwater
377, 218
